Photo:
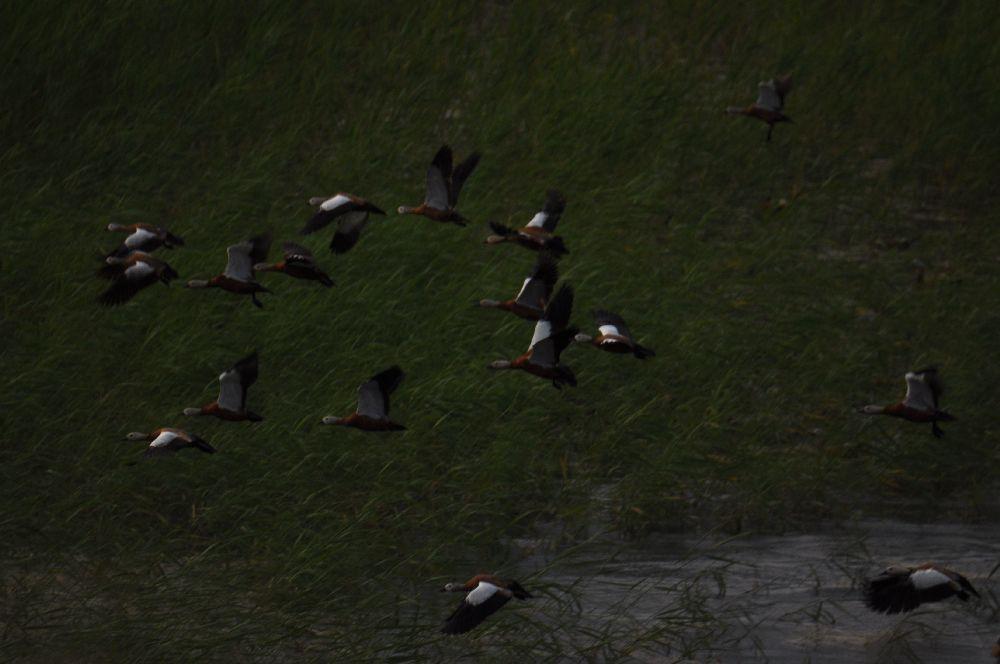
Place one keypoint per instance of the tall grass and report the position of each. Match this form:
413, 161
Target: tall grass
777, 282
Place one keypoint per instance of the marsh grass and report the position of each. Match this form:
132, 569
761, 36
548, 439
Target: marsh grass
772, 321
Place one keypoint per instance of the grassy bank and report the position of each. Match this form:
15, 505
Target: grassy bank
783, 285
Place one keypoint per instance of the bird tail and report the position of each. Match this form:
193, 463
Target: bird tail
326, 281
518, 592
203, 445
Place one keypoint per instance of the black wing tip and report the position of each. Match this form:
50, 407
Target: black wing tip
555, 201
442, 159
556, 245
560, 307
389, 379
546, 269
343, 242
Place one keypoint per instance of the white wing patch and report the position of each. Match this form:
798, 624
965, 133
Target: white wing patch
437, 189
918, 393
928, 578
230, 391
239, 265
543, 330
334, 202
137, 238
538, 221
370, 402
164, 439
139, 270
610, 330
767, 96
481, 593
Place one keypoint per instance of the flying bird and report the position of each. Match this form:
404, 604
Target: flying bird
538, 233
614, 336
923, 390
901, 589
443, 187
130, 274
144, 238
373, 404
770, 103
298, 263
238, 276
485, 594
551, 337
349, 211
168, 440
534, 294
233, 385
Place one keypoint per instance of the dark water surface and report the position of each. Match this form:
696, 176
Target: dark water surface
790, 598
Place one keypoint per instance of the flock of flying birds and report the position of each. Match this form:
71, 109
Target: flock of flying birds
132, 267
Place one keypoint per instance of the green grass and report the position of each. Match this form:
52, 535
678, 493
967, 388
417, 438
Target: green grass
771, 325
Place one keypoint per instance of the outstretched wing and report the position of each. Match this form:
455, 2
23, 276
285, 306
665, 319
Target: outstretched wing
438, 177
349, 230
919, 394
260, 245
239, 265
373, 394
538, 286
611, 324
296, 253
329, 209
547, 219
933, 380
483, 601
560, 307
768, 97
234, 383
461, 174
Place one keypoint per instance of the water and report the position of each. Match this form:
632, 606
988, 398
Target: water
791, 598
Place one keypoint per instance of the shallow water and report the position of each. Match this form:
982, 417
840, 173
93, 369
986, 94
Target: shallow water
791, 598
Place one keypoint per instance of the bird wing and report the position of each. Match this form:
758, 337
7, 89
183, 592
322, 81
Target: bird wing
239, 265
438, 176
296, 253
260, 245
768, 97
559, 308
139, 237
130, 281
231, 395
373, 394
547, 219
934, 382
349, 229
483, 601
532, 294
919, 394
543, 330
163, 440
922, 579
328, 210
461, 174
611, 323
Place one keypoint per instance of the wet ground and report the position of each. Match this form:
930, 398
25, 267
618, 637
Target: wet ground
790, 598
